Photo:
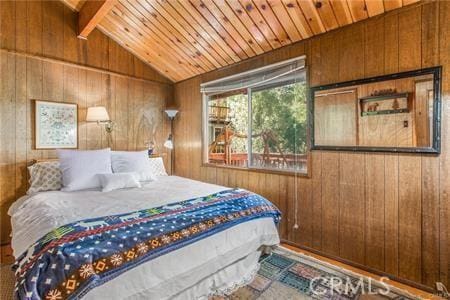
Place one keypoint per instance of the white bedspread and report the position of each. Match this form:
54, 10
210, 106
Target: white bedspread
165, 276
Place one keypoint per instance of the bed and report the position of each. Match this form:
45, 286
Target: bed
215, 264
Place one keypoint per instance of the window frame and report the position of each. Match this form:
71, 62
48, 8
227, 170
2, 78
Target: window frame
205, 120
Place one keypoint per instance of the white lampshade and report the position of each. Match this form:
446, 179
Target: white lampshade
171, 112
97, 114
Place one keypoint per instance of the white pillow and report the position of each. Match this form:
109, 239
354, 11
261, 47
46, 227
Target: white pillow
129, 161
110, 182
157, 166
80, 169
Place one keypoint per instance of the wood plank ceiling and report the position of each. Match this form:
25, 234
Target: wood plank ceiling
185, 38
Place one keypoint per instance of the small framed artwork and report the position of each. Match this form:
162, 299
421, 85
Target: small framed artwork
56, 125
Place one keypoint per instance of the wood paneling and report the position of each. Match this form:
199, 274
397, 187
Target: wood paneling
204, 35
374, 185
135, 100
444, 161
49, 29
91, 13
387, 212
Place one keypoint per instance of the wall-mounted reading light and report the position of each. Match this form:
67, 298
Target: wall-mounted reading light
169, 143
100, 115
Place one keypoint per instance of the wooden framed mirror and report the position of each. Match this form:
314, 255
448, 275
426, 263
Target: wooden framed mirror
392, 113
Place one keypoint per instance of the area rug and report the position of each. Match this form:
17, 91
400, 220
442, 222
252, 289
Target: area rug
290, 275
285, 275
6, 282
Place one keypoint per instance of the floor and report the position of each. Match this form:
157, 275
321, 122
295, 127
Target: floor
7, 258
412, 290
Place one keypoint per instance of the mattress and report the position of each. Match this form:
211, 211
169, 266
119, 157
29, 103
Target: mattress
213, 264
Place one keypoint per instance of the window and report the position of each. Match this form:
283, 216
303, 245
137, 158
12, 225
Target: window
258, 119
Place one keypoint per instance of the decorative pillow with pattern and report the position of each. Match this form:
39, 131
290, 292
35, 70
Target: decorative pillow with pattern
45, 176
157, 166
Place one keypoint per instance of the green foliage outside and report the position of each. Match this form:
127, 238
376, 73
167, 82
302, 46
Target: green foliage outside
281, 110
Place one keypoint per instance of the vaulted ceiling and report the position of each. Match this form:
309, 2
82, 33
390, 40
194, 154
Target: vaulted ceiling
184, 38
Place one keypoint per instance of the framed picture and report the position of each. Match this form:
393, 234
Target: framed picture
56, 125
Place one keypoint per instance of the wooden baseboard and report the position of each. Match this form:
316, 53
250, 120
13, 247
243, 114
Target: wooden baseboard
363, 267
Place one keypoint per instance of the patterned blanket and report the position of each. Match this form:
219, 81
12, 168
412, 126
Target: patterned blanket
72, 259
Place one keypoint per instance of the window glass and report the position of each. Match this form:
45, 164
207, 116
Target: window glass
227, 130
279, 127
258, 119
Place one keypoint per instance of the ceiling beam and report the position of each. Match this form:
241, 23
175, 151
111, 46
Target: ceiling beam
91, 13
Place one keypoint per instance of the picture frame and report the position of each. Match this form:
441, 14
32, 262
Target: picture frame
55, 125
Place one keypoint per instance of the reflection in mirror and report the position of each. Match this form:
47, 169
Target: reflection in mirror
394, 113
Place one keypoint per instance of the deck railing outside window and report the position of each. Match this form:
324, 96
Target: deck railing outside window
258, 123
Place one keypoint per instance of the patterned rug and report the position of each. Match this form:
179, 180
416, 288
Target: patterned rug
6, 282
289, 275
285, 275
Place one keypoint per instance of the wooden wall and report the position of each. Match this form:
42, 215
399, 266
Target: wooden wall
386, 212
47, 29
